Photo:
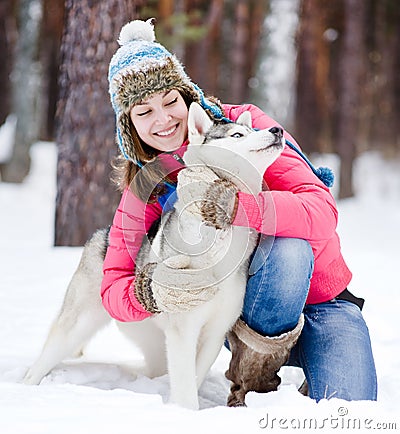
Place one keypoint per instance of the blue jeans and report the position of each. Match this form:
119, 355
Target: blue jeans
334, 348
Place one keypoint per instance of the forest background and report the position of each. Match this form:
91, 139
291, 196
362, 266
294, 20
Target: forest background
327, 71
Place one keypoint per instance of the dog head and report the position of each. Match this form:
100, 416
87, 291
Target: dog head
234, 151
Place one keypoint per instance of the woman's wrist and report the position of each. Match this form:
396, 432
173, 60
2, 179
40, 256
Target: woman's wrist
248, 213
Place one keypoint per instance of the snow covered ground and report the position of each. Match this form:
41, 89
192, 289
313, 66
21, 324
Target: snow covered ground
99, 392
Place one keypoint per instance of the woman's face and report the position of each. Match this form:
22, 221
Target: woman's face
161, 120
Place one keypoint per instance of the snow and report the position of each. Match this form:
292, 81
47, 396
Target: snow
7, 134
100, 393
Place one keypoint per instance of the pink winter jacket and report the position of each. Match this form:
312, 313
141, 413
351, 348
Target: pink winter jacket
297, 205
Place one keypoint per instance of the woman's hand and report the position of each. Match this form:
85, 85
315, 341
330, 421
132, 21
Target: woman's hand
219, 205
163, 287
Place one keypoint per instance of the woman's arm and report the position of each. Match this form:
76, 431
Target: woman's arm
297, 204
131, 222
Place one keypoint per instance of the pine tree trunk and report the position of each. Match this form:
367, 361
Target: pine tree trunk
387, 87
25, 91
308, 108
196, 53
224, 60
396, 82
7, 30
238, 53
86, 199
209, 47
350, 70
50, 44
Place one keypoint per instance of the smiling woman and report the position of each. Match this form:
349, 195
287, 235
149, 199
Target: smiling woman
161, 120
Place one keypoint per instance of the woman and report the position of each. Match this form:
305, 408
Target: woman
297, 268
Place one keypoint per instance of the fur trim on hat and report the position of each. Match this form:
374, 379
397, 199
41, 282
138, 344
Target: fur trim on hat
135, 86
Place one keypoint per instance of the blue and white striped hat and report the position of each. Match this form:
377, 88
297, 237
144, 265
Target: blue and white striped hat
140, 68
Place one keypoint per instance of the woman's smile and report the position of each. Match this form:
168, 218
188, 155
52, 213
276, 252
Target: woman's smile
161, 120
169, 132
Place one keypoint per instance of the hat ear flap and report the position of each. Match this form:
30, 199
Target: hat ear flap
125, 139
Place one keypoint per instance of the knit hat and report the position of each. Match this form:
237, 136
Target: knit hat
140, 68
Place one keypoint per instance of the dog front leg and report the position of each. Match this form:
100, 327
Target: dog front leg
181, 344
209, 348
150, 339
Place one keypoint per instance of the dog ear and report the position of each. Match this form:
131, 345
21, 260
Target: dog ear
245, 119
198, 123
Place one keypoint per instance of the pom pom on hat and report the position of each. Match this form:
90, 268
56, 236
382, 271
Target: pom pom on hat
137, 30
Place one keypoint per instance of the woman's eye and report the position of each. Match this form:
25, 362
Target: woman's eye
173, 101
237, 135
143, 113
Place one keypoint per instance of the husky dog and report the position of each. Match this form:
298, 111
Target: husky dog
192, 339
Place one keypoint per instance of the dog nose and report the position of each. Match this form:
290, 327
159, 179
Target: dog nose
277, 131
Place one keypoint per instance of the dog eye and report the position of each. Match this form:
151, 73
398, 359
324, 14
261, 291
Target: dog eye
237, 135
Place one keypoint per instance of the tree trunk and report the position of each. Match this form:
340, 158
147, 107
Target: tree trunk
258, 11
386, 118
308, 102
86, 199
7, 35
224, 60
196, 52
396, 81
239, 52
210, 47
350, 69
50, 44
25, 91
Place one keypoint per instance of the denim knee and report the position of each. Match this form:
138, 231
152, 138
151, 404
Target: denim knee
278, 284
296, 253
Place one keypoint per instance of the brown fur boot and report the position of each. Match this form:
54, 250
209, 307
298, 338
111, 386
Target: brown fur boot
256, 360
